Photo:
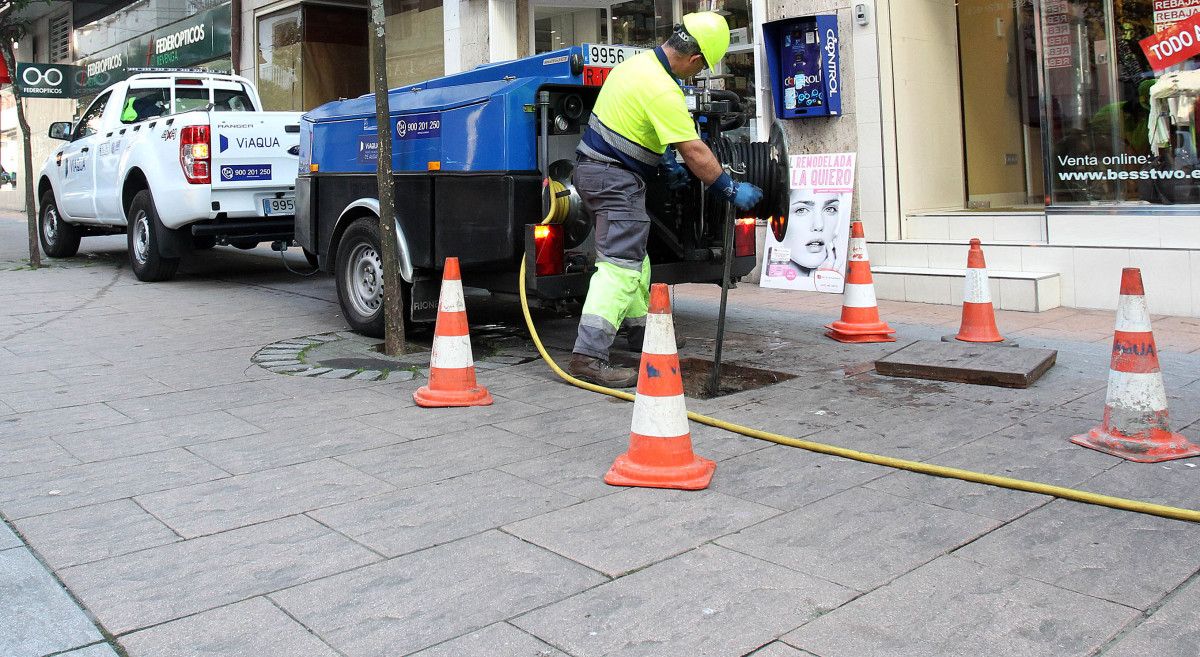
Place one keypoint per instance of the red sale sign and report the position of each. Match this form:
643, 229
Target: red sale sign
1176, 44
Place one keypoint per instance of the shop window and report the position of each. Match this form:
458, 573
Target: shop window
644, 23
309, 55
415, 48
561, 27
1104, 145
279, 65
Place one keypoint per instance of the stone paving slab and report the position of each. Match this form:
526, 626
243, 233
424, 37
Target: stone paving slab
616, 534
1170, 632
295, 444
888, 537
96, 650
1128, 558
65, 420
90, 533
952, 607
320, 409
788, 478
1175, 483
1033, 450
439, 512
499, 640
253, 627
413, 422
190, 402
578, 472
103, 481
38, 617
256, 497
450, 455
706, 602
8, 539
777, 649
421, 599
172, 581
20, 455
154, 435
602, 419
99, 389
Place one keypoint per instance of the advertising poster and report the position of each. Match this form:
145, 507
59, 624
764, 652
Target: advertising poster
806, 250
1169, 12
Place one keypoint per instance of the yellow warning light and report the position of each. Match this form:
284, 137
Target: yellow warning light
435, 166
314, 167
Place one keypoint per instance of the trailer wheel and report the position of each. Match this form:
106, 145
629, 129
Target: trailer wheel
148, 264
358, 270
59, 238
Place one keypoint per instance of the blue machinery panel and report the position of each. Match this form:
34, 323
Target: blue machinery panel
803, 59
484, 119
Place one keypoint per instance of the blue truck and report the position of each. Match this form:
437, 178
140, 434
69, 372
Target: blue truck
480, 159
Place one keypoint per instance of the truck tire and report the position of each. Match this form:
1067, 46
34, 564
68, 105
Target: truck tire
358, 271
59, 238
143, 236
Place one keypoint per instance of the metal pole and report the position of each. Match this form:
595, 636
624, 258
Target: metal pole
714, 377
393, 297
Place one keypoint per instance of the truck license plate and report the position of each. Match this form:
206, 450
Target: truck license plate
286, 205
607, 56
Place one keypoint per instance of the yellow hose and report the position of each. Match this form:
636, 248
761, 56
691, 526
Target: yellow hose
886, 461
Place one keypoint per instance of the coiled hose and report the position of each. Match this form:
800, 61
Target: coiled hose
1061, 492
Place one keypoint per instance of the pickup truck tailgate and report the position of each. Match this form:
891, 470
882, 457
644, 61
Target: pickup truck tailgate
255, 150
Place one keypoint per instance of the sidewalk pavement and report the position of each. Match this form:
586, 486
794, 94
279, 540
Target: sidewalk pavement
162, 495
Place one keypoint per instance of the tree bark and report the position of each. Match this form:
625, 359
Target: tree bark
35, 252
393, 299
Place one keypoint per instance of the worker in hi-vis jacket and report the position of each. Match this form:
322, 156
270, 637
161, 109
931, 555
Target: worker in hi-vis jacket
640, 119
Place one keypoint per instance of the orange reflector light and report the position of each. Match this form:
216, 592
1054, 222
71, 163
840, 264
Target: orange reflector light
548, 249
744, 237
314, 167
434, 166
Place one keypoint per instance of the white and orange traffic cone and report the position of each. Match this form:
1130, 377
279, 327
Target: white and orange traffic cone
451, 365
860, 311
978, 316
1136, 425
660, 442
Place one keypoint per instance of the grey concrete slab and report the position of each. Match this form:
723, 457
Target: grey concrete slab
22, 455
707, 602
779, 649
295, 444
37, 615
619, 533
154, 435
1174, 483
1033, 450
603, 419
952, 607
90, 533
421, 599
251, 498
439, 512
414, 422
63, 420
499, 640
251, 627
788, 478
95, 650
445, 456
578, 472
103, 481
1170, 632
550, 395
99, 389
164, 583
320, 409
887, 537
1129, 558
190, 402
8, 539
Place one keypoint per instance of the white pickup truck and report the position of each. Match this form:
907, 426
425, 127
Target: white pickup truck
177, 161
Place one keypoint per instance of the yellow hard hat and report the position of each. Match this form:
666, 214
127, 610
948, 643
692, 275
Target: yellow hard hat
711, 32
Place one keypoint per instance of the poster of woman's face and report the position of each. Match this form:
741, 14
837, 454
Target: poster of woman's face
808, 250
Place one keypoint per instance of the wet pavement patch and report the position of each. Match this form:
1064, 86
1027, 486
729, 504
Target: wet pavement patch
734, 378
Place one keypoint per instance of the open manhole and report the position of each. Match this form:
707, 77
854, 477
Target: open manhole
734, 378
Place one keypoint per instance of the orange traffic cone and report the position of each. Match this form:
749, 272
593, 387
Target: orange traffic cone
1136, 426
978, 316
660, 443
860, 312
451, 365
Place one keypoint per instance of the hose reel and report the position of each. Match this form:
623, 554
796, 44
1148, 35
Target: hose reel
764, 164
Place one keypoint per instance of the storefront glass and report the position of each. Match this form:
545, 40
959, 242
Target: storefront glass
415, 48
562, 27
644, 23
308, 55
279, 66
1105, 146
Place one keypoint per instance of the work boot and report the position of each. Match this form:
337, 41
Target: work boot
635, 337
601, 373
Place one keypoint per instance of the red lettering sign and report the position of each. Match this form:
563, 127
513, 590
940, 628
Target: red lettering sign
594, 76
1176, 44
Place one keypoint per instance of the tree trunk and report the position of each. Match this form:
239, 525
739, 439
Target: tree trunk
393, 300
35, 252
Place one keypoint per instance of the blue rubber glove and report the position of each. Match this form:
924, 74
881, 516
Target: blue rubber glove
746, 196
676, 174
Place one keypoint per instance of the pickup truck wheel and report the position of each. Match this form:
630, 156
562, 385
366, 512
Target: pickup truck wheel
59, 238
147, 264
359, 275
